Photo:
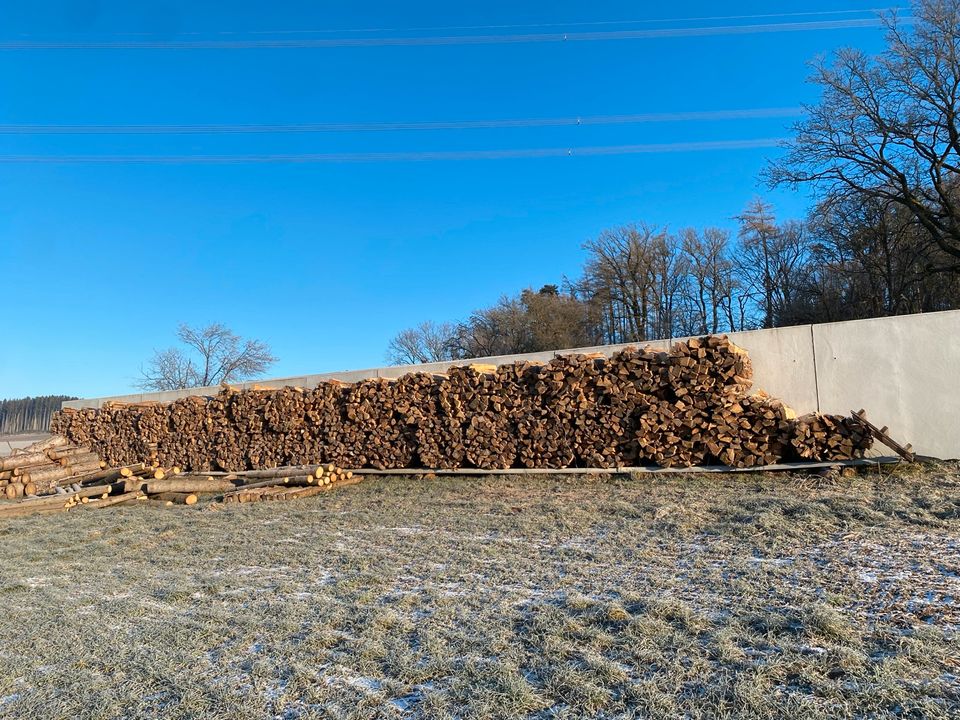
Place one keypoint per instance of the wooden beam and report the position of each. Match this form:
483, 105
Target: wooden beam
904, 451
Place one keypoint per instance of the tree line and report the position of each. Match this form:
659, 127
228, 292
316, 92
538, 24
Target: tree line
31, 414
881, 153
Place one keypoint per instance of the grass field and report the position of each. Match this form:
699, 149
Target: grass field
754, 596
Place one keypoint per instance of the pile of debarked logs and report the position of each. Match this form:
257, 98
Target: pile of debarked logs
88, 483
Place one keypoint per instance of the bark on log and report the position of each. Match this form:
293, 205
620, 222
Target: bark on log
12, 462
176, 498
102, 476
117, 499
54, 473
188, 485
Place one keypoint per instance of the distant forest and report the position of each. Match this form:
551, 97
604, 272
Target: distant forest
30, 414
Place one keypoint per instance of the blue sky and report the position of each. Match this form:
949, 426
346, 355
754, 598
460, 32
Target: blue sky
327, 261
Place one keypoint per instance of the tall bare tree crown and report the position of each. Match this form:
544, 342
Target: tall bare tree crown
209, 356
886, 127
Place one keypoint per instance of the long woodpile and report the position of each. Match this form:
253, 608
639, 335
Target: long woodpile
687, 407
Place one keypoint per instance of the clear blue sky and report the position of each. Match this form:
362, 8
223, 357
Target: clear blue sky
327, 261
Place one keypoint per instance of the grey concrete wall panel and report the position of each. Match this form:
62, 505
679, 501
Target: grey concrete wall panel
904, 371
783, 364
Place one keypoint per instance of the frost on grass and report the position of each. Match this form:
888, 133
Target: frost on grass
700, 597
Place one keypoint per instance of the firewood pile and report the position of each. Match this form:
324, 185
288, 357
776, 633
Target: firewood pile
109, 487
686, 407
839, 438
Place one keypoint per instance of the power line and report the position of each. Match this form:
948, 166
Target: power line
416, 156
570, 24
317, 43
213, 129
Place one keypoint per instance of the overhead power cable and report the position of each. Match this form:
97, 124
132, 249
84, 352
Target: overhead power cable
569, 24
332, 127
416, 156
439, 40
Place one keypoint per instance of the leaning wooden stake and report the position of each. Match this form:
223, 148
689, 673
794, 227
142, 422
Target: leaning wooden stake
904, 451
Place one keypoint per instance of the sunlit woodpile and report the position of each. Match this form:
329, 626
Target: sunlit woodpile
689, 406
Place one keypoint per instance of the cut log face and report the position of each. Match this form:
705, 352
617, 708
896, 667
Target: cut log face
688, 406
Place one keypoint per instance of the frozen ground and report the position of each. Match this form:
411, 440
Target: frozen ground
656, 597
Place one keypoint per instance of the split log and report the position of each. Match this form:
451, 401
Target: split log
830, 437
687, 406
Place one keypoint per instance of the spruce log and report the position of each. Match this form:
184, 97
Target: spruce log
26, 509
176, 498
117, 499
57, 472
103, 476
12, 462
68, 452
289, 471
59, 501
153, 473
54, 441
188, 485
296, 481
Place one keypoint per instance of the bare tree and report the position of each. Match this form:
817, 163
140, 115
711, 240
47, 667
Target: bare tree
668, 269
869, 258
758, 232
427, 342
712, 281
619, 277
503, 329
887, 127
211, 355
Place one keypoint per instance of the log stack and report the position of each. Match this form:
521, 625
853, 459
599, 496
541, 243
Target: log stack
685, 407
39, 468
833, 436
117, 486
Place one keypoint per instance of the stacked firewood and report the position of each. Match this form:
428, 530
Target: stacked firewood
834, 436
689, 406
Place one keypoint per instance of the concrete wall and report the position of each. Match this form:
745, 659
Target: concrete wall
9, 443
905, 371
